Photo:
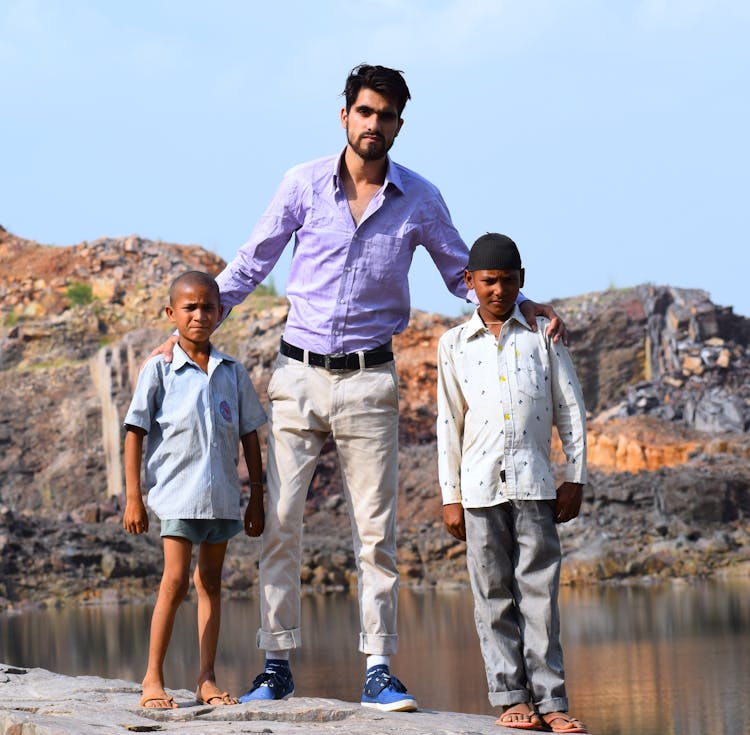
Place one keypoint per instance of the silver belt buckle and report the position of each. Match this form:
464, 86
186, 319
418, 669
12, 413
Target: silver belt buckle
335, 356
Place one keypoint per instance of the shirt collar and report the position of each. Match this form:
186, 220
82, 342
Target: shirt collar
475, 325
180, 358
392, 175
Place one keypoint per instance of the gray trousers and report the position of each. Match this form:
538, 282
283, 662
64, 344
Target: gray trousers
513, 557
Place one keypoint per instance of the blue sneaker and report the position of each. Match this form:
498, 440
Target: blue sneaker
274, 683
385, 692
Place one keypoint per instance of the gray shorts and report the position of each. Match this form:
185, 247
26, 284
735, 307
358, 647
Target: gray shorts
202, 530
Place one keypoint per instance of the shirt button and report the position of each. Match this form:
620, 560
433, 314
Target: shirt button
507, 417
343, 301
502, 378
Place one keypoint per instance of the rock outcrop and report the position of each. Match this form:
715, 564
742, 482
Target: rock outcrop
43, 703
665, 373
665, 352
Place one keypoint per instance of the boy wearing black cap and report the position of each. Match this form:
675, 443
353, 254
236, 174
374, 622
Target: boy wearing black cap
500, 389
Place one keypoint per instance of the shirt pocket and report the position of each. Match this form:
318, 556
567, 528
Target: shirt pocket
386, 257
531, 375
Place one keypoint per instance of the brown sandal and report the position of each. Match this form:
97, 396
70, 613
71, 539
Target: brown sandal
569, 724
157, 695
219, 698
526, 718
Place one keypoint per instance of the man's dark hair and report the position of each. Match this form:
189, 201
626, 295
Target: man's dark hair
194, 278
387, 82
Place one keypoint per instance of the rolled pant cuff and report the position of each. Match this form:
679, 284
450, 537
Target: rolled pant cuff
377, 644
556, 704
282, 641
505, 699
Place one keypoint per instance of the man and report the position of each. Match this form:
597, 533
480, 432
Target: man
356, 218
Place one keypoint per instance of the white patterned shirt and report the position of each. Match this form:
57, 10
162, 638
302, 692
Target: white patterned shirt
497, 402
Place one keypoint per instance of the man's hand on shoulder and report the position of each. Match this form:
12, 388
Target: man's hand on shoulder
166, 349
556, 329
453, 517
568, 503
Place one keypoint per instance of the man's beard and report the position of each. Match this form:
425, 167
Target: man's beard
370, 150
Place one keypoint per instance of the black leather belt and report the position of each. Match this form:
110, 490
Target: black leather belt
378, 356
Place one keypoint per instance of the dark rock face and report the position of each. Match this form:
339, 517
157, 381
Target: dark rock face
665, 373
665, 352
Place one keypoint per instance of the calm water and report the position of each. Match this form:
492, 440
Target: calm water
653, 661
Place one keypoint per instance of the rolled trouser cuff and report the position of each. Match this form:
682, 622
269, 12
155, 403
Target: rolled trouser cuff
281, 641
506, 699
555, 704
377, 644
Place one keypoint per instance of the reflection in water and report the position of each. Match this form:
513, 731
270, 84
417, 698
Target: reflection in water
652, 661
661, 660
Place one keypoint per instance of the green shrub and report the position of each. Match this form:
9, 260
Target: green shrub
79, 294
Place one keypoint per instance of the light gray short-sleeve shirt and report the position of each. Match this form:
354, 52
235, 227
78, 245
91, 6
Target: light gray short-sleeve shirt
194, 421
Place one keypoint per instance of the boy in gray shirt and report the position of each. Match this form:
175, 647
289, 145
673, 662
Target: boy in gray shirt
196, 411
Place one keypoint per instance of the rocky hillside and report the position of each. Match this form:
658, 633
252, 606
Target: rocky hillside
666, 376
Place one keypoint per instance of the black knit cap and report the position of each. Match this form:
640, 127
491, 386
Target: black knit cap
494, 252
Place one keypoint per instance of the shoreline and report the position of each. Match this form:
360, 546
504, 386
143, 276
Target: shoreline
88, 598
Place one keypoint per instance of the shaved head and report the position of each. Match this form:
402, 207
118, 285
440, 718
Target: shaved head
193, 278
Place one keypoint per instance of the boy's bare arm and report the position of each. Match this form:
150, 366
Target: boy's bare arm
453, 517
135, 518
568, 503
254, 514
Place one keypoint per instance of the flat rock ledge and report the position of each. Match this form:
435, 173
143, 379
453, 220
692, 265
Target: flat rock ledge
40, 702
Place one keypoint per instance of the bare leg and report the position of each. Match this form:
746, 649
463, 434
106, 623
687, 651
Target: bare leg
207, 578
172, 590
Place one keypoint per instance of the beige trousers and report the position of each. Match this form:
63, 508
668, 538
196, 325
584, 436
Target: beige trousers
359, 409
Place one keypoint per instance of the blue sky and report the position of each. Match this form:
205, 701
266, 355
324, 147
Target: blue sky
609, 139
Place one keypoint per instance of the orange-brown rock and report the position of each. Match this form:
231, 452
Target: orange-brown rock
635, 444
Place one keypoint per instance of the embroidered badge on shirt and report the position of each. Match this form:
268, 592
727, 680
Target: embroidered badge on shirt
225, 410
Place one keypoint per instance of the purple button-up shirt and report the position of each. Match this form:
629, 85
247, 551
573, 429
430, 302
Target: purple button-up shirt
347, 288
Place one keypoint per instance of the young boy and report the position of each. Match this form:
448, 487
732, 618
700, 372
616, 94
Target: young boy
196, 410
500, 389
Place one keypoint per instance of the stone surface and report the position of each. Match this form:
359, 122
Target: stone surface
38, 702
